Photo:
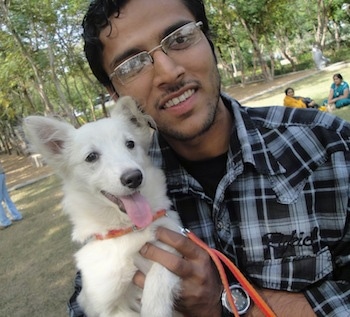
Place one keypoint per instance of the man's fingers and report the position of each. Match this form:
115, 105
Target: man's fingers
139, 279
182, 265
179, 242
173, 262
200, 283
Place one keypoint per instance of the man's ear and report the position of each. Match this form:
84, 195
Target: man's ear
112, 92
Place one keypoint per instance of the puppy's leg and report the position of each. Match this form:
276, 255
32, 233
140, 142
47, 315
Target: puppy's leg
161, 288
106, 278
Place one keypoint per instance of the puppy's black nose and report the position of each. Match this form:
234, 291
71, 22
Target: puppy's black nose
131, 178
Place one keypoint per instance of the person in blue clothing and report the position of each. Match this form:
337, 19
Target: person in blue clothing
267, 186
339, 93
15, 215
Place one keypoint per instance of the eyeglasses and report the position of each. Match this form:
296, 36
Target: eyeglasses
179, 40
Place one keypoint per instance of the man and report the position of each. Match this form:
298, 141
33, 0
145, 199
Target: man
269, 187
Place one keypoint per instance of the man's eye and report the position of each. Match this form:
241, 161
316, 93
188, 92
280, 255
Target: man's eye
134, 65
92, 157
181, 41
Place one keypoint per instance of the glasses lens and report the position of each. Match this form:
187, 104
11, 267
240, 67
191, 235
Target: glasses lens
183, 37
133, 66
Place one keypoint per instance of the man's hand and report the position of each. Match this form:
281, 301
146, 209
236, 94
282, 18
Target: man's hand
201, 285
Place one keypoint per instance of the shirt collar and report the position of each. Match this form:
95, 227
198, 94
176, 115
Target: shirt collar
249, 142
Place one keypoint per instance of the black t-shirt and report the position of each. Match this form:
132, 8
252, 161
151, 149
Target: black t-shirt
207, 172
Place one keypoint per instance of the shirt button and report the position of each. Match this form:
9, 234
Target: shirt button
219, 226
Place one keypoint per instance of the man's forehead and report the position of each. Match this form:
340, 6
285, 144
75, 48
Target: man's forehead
145, 15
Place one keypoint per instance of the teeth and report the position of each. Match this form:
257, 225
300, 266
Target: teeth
183, 97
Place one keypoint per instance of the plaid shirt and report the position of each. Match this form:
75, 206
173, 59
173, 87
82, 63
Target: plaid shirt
281, 212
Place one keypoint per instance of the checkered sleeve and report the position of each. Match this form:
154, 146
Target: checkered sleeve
330, 299
74, 310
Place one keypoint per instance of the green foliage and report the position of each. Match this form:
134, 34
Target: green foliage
41, 54
338, 55
272, 28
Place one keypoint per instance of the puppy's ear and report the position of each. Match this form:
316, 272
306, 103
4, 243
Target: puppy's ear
47, 136
128, 106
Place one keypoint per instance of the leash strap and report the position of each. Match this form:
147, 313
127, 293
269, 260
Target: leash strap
219, 258
115, 233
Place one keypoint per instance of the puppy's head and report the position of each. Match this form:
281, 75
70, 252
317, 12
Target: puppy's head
57, 140
103, 163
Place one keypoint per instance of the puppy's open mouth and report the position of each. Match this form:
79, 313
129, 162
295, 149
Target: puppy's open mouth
114, 200
136, 206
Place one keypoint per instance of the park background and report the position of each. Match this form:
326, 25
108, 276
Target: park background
262, 49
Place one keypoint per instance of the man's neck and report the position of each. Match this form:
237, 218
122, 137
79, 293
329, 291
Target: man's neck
212, 143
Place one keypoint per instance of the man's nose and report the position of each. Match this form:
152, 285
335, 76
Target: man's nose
166, 68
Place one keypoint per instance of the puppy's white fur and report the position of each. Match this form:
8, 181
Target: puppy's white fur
93, 159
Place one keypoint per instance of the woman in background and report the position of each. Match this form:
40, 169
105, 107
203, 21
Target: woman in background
296, 101
339, 93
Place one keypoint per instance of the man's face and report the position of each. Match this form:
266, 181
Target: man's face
181, 91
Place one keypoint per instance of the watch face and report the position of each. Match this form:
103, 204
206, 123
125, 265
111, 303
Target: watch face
240, 297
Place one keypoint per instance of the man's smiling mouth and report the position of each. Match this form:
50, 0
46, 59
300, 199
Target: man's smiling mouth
175, 101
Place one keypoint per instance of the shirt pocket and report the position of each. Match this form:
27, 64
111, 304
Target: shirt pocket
293, 273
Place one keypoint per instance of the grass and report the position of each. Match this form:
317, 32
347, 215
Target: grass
37, 265
316, 87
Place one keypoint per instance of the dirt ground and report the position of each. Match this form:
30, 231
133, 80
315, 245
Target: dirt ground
20, 170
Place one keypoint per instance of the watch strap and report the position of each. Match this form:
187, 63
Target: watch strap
226, 312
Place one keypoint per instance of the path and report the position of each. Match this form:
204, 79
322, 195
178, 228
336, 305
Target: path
253, 90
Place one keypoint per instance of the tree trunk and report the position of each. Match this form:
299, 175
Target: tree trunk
255, 42
322, 21
28, 98
336, 34
68, 110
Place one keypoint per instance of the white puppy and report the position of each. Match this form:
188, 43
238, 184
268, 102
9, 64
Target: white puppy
110, 185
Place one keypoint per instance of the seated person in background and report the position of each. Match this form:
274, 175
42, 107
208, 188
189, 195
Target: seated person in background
339, 93
296, 101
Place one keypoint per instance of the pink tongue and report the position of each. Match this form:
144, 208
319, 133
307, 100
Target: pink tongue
138, 209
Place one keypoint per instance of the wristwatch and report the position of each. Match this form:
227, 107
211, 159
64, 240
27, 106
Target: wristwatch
241, 299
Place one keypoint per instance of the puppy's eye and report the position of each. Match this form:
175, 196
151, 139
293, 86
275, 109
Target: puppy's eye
92, 157
130, 144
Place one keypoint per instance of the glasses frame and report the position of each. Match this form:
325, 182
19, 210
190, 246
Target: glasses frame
165, 49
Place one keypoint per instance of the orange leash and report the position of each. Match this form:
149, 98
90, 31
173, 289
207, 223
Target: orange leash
217, 258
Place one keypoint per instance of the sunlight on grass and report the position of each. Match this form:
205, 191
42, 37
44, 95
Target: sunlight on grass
54, 230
